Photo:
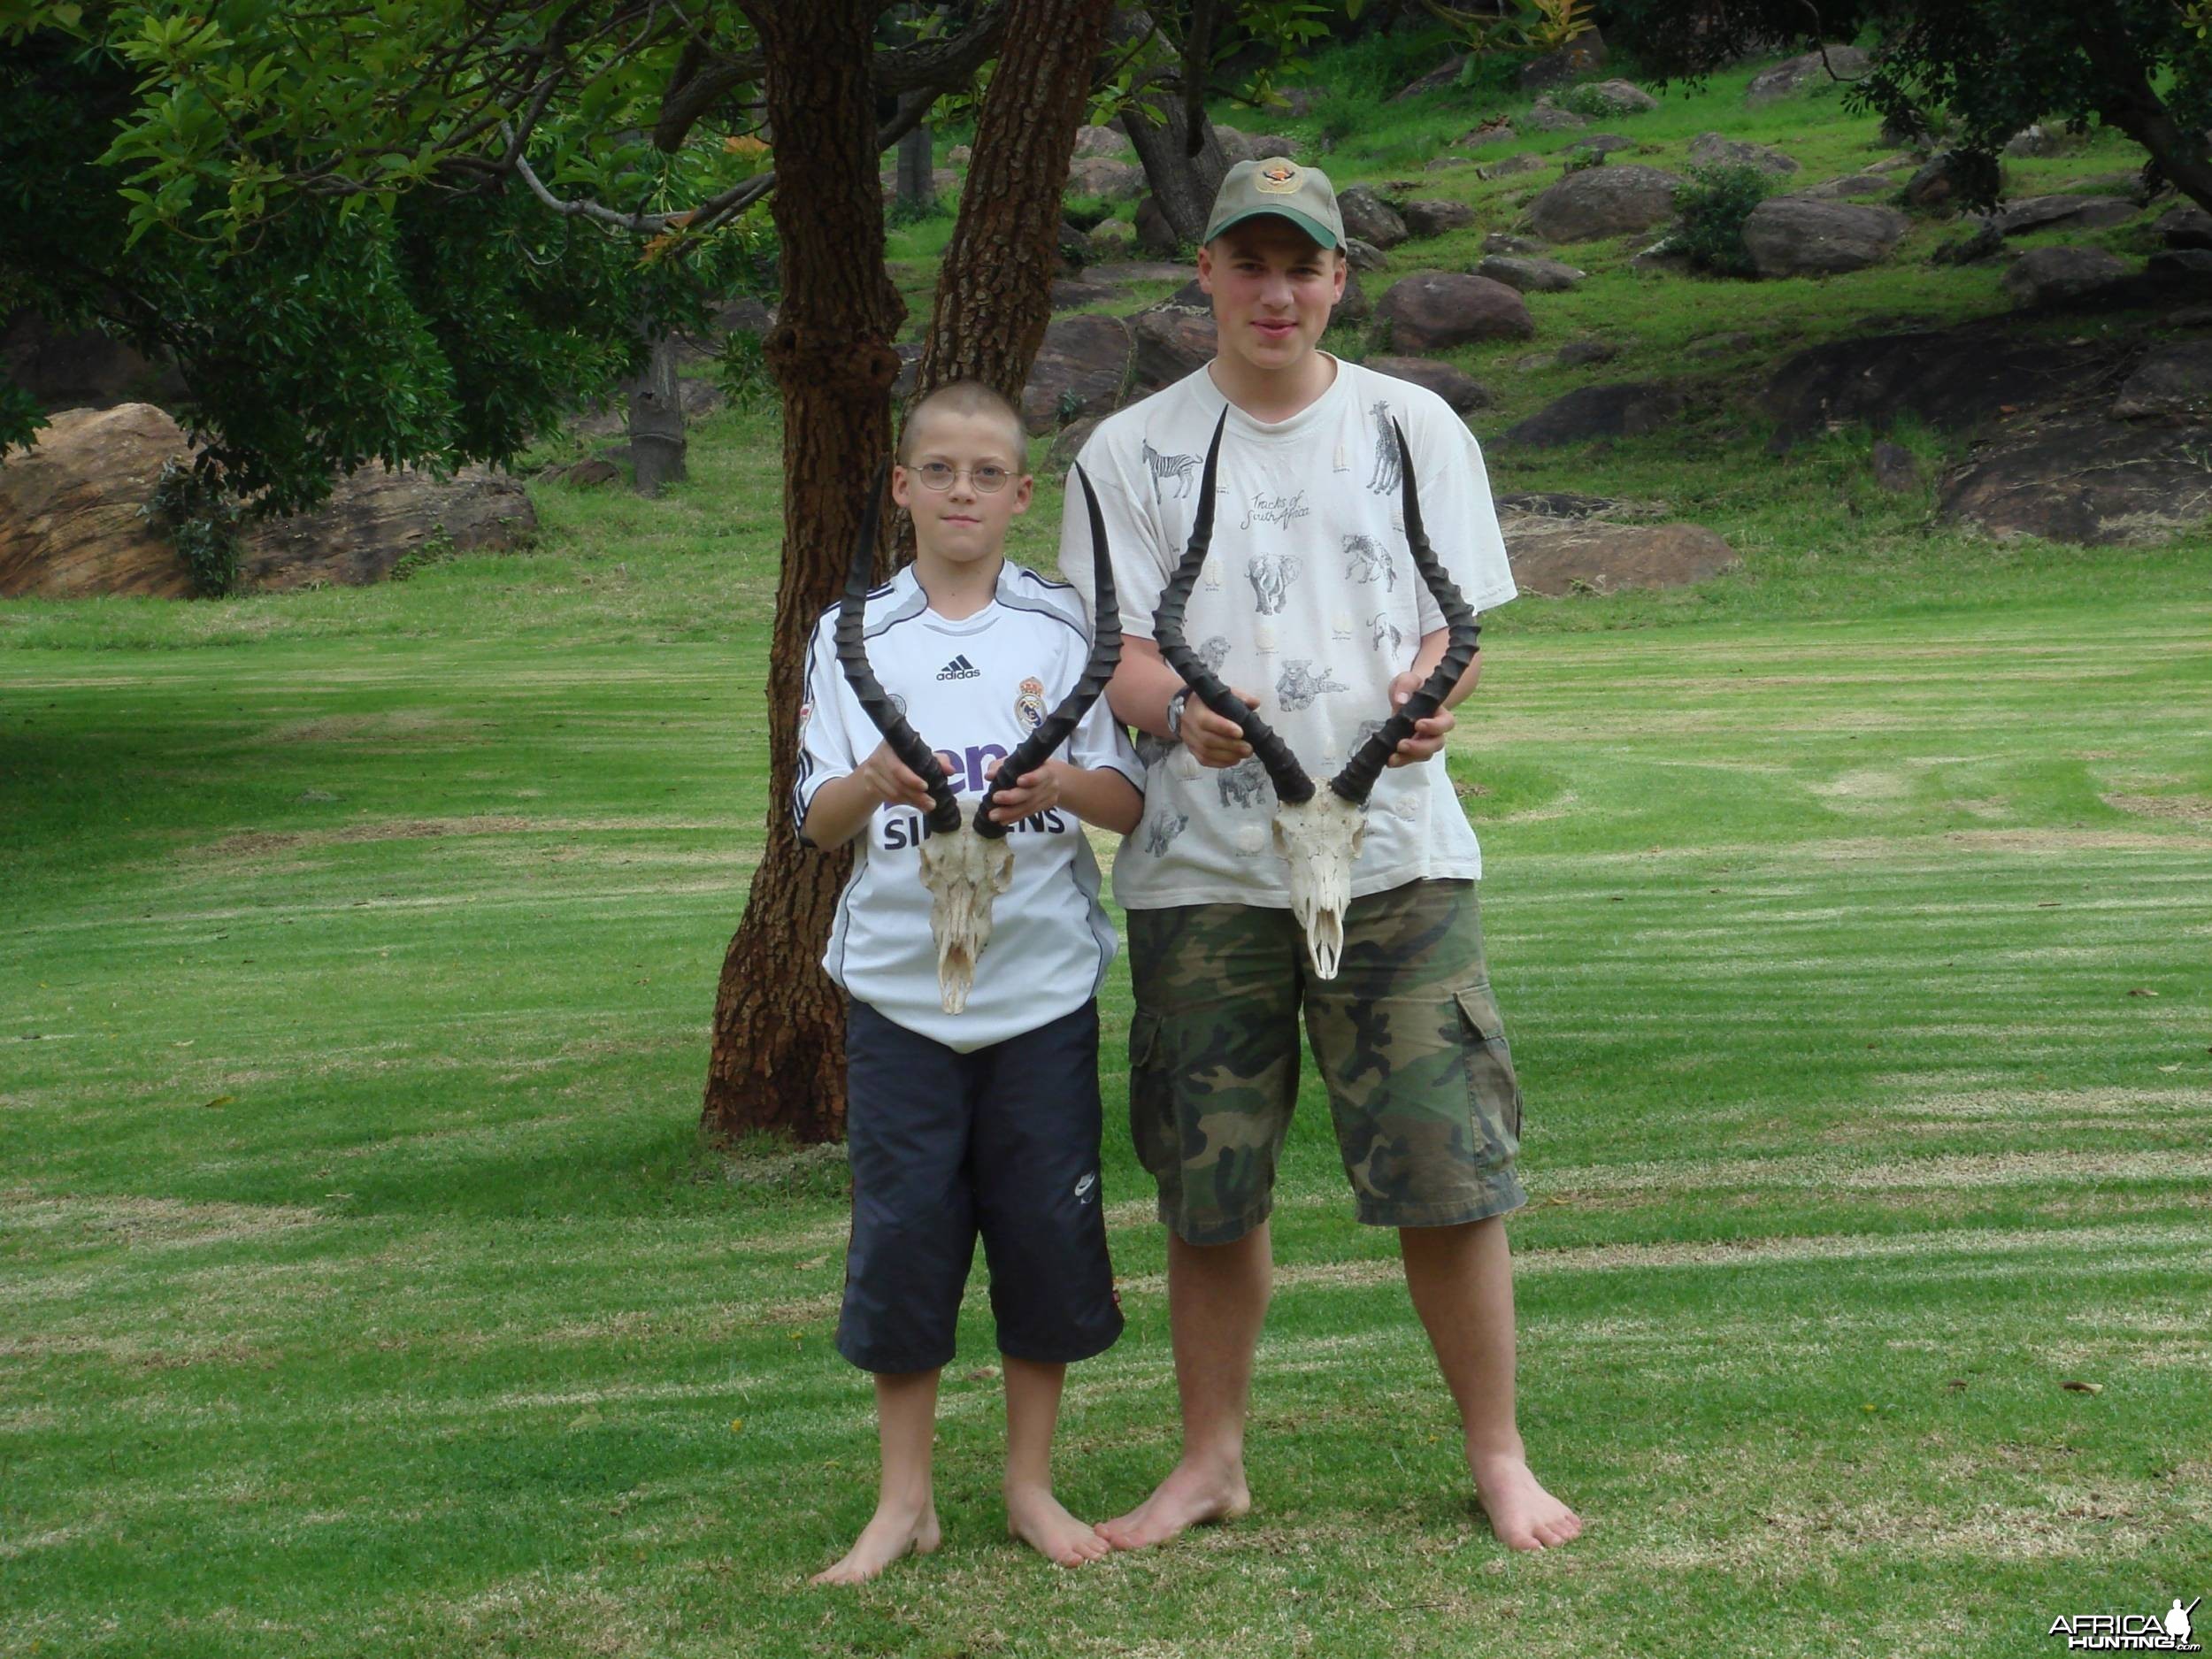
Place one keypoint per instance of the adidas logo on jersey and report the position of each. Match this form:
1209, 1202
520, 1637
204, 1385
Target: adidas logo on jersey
959, 668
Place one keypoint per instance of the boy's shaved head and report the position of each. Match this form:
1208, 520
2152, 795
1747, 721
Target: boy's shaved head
966, 397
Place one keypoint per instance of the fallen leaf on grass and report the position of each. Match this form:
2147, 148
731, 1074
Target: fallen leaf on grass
1956, 1384
220, 1100
2076, 1386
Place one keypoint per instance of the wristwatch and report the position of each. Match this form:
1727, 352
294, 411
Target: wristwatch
1175, 714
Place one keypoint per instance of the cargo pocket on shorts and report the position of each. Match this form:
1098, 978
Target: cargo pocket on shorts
1151, 1098
1493, 1093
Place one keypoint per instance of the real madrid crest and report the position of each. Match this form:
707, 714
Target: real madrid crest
1029, 708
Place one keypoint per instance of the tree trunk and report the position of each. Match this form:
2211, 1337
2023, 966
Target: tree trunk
917, 185
1182, 184
2132, 104
656, 421
995, 288
778, 1055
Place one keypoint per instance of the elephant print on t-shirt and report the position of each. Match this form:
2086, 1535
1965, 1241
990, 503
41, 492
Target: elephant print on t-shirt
1271, 575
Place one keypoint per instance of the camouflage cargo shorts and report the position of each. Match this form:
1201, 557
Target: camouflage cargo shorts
1408, 1036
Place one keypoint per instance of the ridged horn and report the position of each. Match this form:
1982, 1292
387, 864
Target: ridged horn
1356, 781
1056, 727
852, 656
1292, 785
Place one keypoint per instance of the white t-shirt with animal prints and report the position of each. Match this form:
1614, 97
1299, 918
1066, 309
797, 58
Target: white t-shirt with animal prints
1309, 597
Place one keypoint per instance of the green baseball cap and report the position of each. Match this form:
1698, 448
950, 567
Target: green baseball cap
1278, 185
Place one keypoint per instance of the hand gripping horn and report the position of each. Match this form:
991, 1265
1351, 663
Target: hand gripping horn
1060, 726
966, 863
1319, 833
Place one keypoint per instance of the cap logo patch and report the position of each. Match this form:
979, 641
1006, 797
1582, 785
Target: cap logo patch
1279, 178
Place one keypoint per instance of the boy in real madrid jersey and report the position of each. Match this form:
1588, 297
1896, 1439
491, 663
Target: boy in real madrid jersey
984, 1122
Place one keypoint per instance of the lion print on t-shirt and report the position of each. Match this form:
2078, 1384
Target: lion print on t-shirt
1213, 651
1298, 687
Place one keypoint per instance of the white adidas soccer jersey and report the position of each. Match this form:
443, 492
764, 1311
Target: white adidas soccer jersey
972, 690
1309, 598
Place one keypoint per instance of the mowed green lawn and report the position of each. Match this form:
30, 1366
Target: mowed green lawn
364, 1289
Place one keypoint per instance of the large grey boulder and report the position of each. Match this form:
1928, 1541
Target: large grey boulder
1954, 378
1601, 144
1431, 311
1712, 150
1371, 219
1791, 237
1101, 176
2063, 212
1579, 57
1461, 391
1809, 70
1510, 166
1547, 117
1530, 275
2084, 478
2173, 383
1170, 344
2046, 276
1627, 408
1100, 140
1445, 75
2185, 228
1941, 180
1433, 218
1079, 370
1618, 98
1600, 201
1850, 185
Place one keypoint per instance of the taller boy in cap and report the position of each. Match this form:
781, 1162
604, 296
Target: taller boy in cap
1311, 608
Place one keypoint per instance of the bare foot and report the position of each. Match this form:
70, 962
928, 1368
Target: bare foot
1522, 1513
1190, 1497
889, 1535
1035, 1516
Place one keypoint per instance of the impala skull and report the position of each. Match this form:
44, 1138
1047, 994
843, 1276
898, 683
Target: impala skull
1317, 833
966, 862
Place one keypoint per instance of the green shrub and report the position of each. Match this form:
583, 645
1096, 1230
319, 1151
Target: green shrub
190, 506
1712, 203
740, 369
1583, 157
1588, 98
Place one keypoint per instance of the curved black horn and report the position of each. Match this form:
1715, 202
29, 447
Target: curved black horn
1356, 781
1292, 786
1056, 728
852, 656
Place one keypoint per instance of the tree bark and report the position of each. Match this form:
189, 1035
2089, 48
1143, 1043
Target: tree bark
917, 186
2132, 104
656, 421
1183, 180
995, 288
778, 1053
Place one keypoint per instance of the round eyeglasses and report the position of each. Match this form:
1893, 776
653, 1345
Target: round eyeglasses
988, 478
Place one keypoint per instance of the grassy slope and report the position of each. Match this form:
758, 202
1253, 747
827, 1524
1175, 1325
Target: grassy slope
366, 1291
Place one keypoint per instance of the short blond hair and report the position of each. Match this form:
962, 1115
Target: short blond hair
966, 397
